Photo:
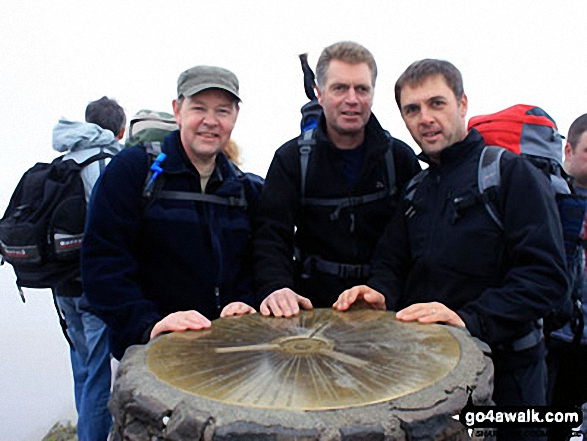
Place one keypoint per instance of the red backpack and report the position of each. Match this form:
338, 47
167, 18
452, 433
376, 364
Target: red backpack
530, 132
522, 129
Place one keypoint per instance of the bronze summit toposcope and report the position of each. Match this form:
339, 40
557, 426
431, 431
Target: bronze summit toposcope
318, 360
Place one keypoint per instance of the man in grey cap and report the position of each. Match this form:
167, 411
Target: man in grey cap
167, 244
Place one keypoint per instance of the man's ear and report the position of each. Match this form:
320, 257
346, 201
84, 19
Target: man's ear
568, 157
464, 105
176, 108
319, 94
121, 134
568, 151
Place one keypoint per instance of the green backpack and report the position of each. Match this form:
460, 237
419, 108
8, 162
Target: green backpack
149, 126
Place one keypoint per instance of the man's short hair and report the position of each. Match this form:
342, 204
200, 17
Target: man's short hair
421, 70
577, 129
107, 114
349, 52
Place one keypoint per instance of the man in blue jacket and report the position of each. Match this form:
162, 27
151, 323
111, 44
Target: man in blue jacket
444, 260
178, 255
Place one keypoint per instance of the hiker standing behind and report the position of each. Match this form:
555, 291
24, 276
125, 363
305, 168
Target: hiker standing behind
90, 354
331, 214
173, 254
567, 347
444, 260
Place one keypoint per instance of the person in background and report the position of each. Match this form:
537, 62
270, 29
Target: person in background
567, 347
444, 260
90, 351
170, 250
329, 207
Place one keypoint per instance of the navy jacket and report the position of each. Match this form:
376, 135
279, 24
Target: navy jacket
499, 282
142, 260
348, 236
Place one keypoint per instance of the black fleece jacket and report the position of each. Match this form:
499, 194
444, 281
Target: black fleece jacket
349, 237
499, 282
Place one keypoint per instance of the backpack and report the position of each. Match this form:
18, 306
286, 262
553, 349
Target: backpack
148, 126
41, 231
530, 132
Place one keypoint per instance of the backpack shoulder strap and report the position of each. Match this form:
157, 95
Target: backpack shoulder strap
389, 162
230, 201
101, 156
412, 186
411, 189
154, 148
155, 157
305, 144
489, 175
154, 151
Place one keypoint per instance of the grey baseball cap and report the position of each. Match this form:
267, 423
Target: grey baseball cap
200, 78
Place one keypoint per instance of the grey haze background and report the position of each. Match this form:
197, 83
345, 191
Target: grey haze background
57, 56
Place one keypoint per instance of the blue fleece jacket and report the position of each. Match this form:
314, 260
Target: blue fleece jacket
144, 259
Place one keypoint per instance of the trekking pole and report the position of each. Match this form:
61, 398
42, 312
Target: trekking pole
309, 77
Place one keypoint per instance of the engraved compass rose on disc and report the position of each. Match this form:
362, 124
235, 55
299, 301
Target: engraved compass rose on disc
318, 360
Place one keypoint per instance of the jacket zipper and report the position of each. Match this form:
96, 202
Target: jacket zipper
217, 296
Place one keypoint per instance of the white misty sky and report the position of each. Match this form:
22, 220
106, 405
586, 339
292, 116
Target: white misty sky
57, 56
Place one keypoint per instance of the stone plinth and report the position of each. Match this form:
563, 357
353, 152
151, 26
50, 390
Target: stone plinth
163, 392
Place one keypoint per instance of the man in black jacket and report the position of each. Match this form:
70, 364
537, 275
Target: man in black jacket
567, 346
329, 211
442, 260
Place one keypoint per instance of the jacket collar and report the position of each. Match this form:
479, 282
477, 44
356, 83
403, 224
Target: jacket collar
177, 160
457, 151
375, 136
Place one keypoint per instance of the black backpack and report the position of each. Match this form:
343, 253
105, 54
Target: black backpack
42, 229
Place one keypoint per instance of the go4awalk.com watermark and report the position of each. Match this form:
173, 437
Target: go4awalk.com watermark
538, 420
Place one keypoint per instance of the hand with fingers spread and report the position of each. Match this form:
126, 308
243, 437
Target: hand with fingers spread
433, 312
361, 293
237, 308
181, 321
284, 303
